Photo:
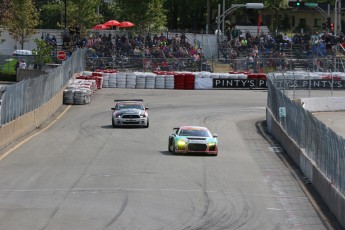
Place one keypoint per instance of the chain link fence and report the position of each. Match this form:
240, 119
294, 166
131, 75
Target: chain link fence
321, 144
147, 64
27, 95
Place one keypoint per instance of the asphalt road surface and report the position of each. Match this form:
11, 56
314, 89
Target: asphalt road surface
80, 173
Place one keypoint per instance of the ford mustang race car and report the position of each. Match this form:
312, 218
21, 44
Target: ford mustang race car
193, 139
130, 113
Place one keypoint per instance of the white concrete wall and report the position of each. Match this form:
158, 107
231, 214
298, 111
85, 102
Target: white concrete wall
324, 104
8, 44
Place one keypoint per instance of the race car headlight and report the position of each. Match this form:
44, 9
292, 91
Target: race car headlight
181, 143
142, 115
212, 144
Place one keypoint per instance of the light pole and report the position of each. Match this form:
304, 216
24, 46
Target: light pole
337, 17
65, 17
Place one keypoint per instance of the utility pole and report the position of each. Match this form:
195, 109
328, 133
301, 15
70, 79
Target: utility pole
65, 17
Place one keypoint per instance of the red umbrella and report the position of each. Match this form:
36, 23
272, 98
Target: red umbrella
112, 23
126, 24
100, 27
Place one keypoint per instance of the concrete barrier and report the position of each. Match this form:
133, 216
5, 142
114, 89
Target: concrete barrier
28, 122
333, 198
325, 104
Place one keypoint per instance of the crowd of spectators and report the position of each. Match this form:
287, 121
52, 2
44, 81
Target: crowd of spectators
109, 49
275, 48
156, 51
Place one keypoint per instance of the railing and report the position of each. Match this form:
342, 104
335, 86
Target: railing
321, 144
147, 64
27, 95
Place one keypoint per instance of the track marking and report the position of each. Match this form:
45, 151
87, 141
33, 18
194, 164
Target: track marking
32, 136
275, 209
95, 190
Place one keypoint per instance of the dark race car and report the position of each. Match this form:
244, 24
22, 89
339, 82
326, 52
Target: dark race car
193, 139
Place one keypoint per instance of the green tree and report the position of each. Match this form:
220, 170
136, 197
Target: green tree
42, 53
5, 11
147, 15
191, 14
83, 13
79, 12
284, 24
22, 21
51, 15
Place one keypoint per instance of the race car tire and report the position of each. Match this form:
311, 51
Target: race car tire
113, 123
169, 147
174, 148
147, 124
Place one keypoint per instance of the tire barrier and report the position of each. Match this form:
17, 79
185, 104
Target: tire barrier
187, 81
80, 91
161, 79
199, 80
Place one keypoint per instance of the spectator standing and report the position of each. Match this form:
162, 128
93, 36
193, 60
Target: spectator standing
183, 38
22, 64
16, 66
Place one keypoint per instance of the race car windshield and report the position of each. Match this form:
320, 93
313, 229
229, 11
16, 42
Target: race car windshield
130, 106
195, 133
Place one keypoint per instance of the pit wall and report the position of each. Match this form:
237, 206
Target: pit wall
26, 123
330, 195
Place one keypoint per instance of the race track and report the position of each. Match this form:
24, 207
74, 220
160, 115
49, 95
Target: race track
80, 173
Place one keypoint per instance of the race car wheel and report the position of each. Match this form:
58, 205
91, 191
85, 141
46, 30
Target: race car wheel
113, 123
147, 124
169, 146
174, 148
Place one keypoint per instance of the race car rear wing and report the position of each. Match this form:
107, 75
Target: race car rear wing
129, 100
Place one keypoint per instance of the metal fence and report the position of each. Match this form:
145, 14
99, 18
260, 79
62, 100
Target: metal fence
147, 64
27, 95
266, 64
321, 144
260, 64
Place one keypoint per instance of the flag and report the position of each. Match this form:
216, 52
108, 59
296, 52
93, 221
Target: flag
259, 23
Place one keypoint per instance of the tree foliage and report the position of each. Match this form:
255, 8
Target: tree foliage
22, 21
42, 53
51, 15
83, 13
148, 15
5, 10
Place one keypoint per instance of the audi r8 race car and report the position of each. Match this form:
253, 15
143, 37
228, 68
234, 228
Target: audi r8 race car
130, 113
193, 139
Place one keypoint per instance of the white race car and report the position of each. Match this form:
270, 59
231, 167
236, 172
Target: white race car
130, 112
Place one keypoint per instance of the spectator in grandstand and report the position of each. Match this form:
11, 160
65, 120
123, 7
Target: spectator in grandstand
244, 44
216, 32
137, 52
286, 39
248, 35
176, 39
53, 40
183, 39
